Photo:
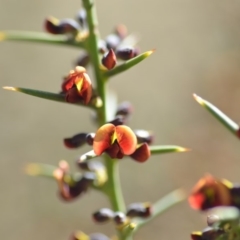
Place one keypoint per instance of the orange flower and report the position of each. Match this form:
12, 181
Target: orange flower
77, 86
117, 141
210, 192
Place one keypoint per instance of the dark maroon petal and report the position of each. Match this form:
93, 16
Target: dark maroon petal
113, 151
109, 60
103, 215
76, 141
142, 153
51, 25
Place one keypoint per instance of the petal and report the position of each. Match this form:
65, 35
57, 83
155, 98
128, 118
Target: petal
72, 95
86, 91
114, 150
102, 139
142, 153
126, 139
68, 82
76, 141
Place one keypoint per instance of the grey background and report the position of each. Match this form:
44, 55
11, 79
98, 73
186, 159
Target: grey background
198, 50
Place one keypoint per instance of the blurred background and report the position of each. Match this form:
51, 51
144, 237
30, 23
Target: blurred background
198, 51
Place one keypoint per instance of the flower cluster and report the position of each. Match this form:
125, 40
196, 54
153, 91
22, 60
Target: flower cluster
116, 139
113, 139
116, 45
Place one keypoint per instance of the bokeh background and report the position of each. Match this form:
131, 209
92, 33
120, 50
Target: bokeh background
198, 50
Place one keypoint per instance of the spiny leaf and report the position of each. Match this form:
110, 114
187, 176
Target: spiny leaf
167, 149
47, 95
39, 169
162, 205
38, 37
128, 64
219, 115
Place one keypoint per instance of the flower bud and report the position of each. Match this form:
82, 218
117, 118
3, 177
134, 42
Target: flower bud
103, 215
120, 218
89, 138
51, 25
142, 153
119, 120
76, 141
127, 53
82, 18
68, 25
112, 41
83, 60
144, 136
121, 31
109, 60
142, 210
77, 86
124, 109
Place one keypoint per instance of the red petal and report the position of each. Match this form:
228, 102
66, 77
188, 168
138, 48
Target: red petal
72, 95
86, 92
196, 201
68, 83
102, 139
142, 153
126, 139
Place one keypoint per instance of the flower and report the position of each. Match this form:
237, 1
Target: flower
77, 86
117, 141
69, 187
210, 192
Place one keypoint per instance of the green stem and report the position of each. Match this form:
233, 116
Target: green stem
92, 46
112, 187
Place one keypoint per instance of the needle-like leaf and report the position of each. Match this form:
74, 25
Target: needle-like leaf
128, 64
39, 37
219, 115
167, 149
51, 96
